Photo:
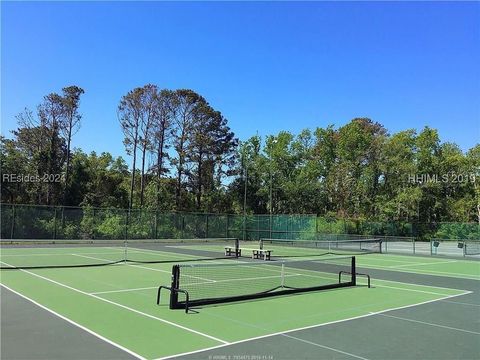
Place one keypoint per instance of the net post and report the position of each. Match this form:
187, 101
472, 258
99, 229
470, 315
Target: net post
175, 282
125, 249
354, 272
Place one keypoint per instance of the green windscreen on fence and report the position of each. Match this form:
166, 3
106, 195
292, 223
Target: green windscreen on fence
56, 222
50, 222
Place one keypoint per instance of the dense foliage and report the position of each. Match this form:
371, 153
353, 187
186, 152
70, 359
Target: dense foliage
186, 158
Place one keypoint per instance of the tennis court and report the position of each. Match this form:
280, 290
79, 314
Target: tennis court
416, 307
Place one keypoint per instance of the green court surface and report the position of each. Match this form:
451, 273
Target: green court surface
118, 302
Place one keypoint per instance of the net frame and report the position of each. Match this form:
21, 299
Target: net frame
176, 286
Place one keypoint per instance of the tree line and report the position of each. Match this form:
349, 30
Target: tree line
185, 157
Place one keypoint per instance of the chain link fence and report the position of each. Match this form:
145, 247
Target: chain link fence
52, 222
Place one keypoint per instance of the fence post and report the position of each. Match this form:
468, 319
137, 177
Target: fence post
206, 226
183, 226
127, 214
12, 229
55, 224
226, 226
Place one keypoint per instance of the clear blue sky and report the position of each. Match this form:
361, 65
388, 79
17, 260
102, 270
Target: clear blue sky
267, 66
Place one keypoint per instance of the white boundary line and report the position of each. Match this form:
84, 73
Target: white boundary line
460, 303
429, 324
124, 307
414, 290
324, 346
313, 326
75, 324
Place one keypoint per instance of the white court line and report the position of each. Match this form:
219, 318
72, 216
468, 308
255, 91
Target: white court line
167, 253
323, 346
213, 282
423, 264
123, 306
203, 283
137, 266
460, 303
122, 290
430, 324
414, 290
312, 326
76, 324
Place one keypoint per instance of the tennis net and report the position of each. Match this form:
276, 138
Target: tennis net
471, 247
285, 248
37, 254
202, 284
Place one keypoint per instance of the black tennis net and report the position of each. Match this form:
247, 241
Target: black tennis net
37, 254
285, 248
201, 284
471, 247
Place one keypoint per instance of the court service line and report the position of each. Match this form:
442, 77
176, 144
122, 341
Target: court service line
203, 283
324, 346
312, 326
429, 324
91, 332
124, 306
123, 290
